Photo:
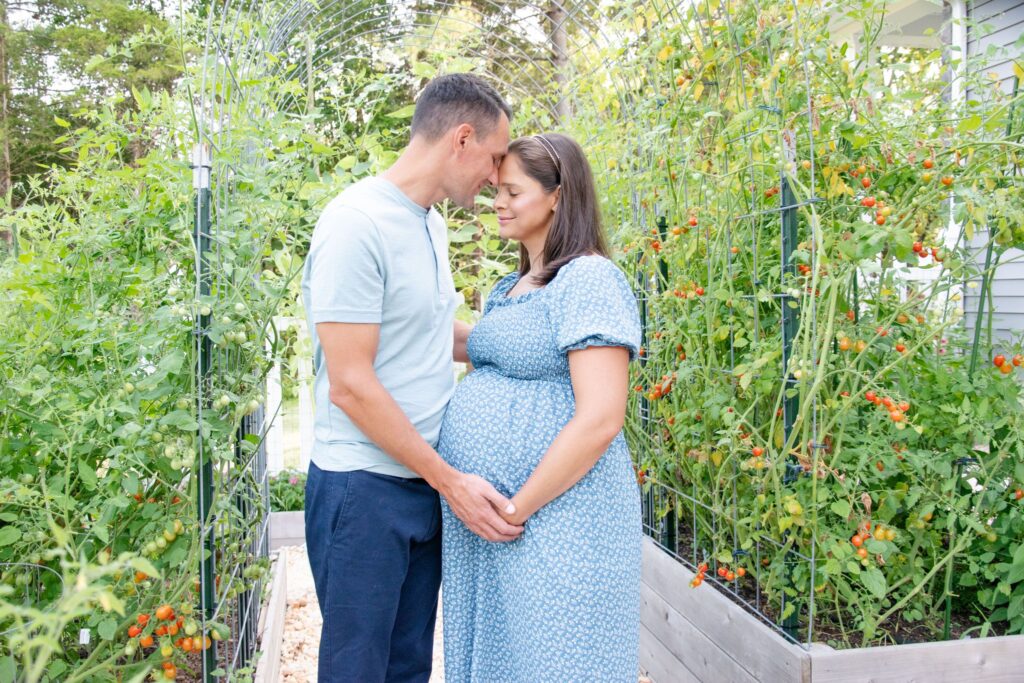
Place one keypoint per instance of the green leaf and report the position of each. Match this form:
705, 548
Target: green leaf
424, 69
181, 419
7, 669
969, 124
9, 535
88, 475
841, 508
172, 362
874, 581
145, 566
403, 113
61, 122
107, 629
874, 546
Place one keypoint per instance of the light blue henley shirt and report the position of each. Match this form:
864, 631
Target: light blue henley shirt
378, 257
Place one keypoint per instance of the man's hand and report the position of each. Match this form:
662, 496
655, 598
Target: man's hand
476, 503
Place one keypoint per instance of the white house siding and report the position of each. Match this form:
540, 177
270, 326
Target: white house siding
1000, 24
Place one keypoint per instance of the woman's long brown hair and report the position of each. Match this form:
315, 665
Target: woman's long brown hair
556, 160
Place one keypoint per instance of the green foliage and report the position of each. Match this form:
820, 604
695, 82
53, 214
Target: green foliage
67, 58
287, 491
873, 158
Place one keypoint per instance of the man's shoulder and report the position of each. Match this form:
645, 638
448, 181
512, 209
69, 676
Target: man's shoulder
355, 202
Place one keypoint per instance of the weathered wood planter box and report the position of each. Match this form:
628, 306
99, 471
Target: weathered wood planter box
701, 635
271, 623
287, 528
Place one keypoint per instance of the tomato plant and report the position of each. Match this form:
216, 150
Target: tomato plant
812, 319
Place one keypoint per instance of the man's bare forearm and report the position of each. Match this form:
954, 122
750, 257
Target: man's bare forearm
373, 410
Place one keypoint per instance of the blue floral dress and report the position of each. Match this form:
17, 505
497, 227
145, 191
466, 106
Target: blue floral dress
562, 602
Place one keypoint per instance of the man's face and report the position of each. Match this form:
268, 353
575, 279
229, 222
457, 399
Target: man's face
478, 163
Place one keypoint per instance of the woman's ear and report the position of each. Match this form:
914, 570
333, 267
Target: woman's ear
557, 194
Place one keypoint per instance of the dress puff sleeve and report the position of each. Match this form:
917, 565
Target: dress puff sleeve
593, 305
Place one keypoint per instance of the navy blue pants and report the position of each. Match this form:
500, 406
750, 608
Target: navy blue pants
374, 545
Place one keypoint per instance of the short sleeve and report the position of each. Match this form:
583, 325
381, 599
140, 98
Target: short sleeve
593, 305
346, 268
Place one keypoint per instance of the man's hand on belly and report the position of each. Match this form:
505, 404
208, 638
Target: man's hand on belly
476, 502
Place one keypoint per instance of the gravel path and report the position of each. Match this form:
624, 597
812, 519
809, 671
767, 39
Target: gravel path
302, 626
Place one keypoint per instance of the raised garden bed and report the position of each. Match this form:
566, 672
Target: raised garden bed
287, 528
701, 635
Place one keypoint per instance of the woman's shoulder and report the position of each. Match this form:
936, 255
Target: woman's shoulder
589, 270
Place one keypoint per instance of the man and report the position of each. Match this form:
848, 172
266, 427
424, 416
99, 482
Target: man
381, 306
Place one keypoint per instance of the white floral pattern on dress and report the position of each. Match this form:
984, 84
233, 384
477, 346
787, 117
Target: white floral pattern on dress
562, 602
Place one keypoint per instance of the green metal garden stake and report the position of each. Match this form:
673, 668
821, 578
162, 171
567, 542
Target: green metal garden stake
790, 404
204, 351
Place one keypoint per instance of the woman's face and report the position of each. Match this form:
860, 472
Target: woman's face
524, 209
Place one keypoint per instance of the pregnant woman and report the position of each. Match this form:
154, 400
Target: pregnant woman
540, 417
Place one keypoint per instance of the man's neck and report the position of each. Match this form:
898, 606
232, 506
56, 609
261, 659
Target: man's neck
417, 175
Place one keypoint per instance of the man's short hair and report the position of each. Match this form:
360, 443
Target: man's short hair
454, 99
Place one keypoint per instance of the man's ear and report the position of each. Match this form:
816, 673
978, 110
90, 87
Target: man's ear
461, 136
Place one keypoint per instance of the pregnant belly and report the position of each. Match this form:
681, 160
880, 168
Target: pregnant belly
499, 427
